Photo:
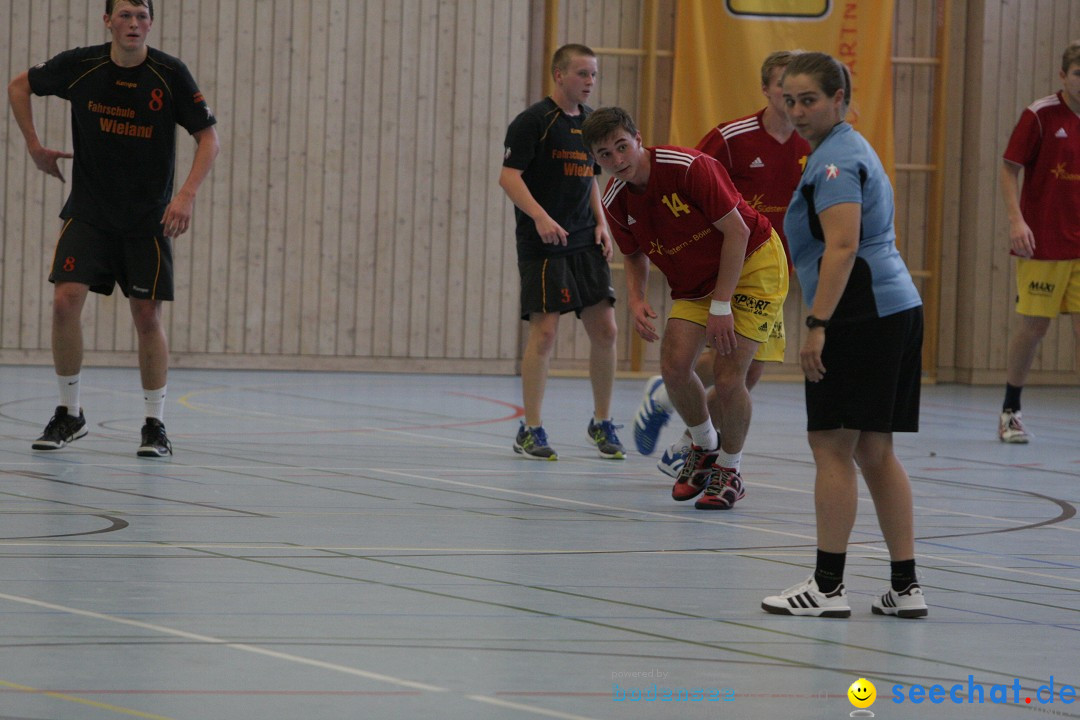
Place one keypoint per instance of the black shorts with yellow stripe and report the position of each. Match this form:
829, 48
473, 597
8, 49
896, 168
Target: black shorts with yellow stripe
565, 283
139, 262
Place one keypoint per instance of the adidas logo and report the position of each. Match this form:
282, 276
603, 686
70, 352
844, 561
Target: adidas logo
1061, 133
763, 327
630, 220
757, 163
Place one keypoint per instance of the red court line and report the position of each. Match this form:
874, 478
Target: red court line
365, 693
519, 412
541, 693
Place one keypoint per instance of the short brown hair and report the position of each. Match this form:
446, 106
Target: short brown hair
1071, 56
110, 5
562, 57
778, 59
605, 122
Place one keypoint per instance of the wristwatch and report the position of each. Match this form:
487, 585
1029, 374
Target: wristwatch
813, 322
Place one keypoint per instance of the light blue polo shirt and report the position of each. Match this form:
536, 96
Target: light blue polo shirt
845, 169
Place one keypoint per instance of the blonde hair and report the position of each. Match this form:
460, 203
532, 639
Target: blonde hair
778, 59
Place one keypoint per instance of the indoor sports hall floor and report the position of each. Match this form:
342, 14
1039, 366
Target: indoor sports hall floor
332, 546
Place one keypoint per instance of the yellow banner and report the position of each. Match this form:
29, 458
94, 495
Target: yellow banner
720, 45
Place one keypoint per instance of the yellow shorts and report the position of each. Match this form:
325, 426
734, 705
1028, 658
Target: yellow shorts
1047, 288
757, 303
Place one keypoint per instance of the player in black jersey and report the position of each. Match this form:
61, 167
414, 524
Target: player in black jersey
126, 101
563, 247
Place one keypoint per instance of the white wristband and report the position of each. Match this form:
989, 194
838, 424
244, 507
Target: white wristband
720, 307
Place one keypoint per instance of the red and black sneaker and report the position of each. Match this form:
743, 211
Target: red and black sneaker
725, 488
695, 473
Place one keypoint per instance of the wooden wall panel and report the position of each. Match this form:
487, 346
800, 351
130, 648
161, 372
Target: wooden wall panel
1013, 55
353, 220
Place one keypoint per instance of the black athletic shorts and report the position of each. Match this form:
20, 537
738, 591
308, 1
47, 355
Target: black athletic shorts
873, 376
140, 263
565, 283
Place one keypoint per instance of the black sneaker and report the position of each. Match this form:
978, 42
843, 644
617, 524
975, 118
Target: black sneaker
607, 442
155, 443
61, 430
533, 444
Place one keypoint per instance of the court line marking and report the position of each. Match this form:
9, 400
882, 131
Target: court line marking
82, 701
209, 640
256, 650
741, 526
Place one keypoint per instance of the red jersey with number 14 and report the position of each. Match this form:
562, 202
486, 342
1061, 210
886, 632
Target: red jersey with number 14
672, 221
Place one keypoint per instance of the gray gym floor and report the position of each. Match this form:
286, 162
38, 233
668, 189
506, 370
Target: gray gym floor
330, 546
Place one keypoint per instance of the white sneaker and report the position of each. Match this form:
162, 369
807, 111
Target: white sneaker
671, 462
1011, 430
908, 603
806, 599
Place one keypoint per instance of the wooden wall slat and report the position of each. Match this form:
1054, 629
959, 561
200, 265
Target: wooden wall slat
409, 248
478, 178
219, 22
369, 303
314, 238
241, 246
275, 82
387, 296
417, 205
352, 232
443, 192
950, 230
336, 234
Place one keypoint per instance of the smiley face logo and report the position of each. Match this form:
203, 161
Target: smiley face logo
862, 693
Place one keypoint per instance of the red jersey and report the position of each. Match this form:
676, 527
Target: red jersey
672, 220
765, 170
1046, 141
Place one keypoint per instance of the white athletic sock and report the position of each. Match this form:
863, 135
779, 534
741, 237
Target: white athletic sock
731, 461
155, 403
704, 435
69, 393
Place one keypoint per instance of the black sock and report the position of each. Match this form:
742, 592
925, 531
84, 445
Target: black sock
1012, 398
829, 572
903, 574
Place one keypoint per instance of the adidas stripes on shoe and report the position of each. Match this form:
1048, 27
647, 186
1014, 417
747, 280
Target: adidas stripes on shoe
805, 599
908, 603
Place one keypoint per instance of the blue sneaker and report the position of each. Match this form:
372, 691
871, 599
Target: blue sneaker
533, 444
650, 418
674, 458
606, 441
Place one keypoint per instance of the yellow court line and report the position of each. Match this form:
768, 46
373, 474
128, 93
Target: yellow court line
83, 701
